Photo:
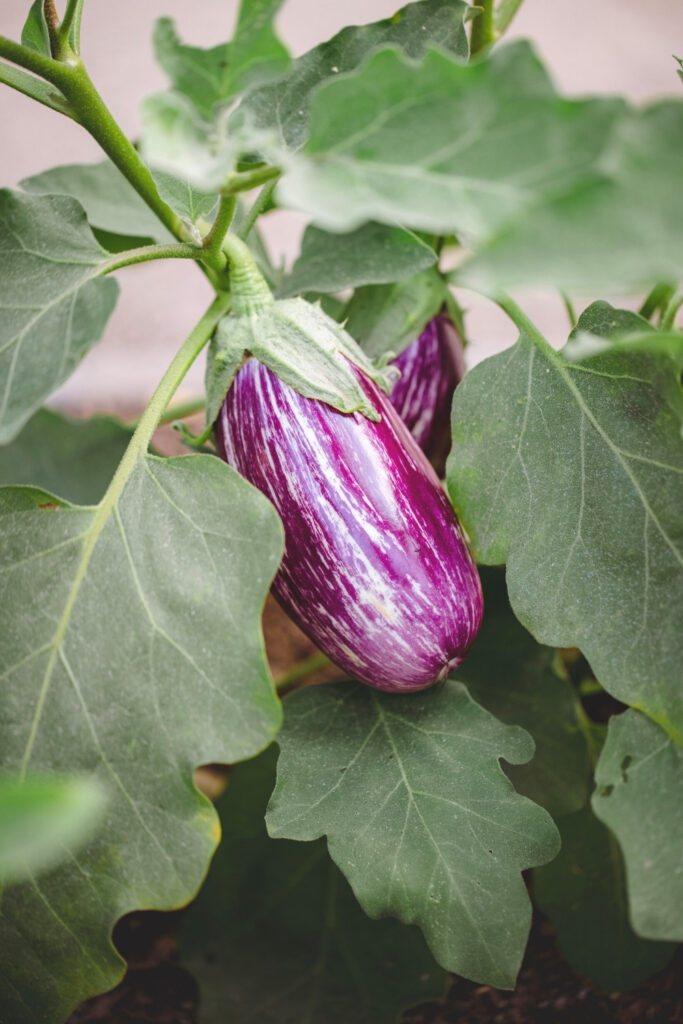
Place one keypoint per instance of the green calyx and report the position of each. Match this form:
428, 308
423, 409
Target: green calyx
302, 345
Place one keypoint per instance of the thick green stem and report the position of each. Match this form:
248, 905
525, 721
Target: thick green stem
257, 208
149, 252
213, 242
504, 15
95, 117
482, 27
49, 69
305, 668
250, 293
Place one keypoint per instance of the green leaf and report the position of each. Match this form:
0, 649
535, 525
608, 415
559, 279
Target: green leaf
35, 33
75, 459
582, 892
374, 254
418, 815
276, 933
283, 107
43, 821
212, 77
617, 231
110, 202
35, 88
513, 677
386, 318
438, 145
572, 473
131, 650
604, 321
639, 795
188, 202
52, 305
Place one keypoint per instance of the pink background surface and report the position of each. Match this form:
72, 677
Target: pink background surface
592, 46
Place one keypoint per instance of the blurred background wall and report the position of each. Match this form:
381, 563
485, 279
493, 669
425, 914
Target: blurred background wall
600, 46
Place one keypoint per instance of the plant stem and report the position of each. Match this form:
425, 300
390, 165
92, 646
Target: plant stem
569, 306
71, 24
146, 253
504, 15
257, 208
482, 34
669, 315
174, 412
305, 668
250, 293
657, 298
49, 69
525, 325
213, 242
95, 117
245, 180
36, 89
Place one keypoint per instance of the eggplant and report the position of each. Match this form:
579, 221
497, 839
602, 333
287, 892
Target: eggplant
431, 368
376, 570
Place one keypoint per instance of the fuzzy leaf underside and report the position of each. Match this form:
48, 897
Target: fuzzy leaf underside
418, 815
131, 650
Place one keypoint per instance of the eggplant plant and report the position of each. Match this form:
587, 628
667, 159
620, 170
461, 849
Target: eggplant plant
373, 831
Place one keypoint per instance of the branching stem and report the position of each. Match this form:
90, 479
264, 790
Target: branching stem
146, 253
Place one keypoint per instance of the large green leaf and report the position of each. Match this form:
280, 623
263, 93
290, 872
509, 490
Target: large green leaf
439, 145
277, 935
387, 317
283, 107
374, 254
618, 231
43, 821
572, 473
639, 797
52, 306
131, 649
514, 678
418, 815
582, 892
75, 459
111, 204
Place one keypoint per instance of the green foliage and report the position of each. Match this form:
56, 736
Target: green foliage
639, 794
571, 473
53, 307
582, 892
619, 228
75, 459
374, 254
418, 815
515, 679
131, 649
438, 145
43, 821
386, 318
276, 933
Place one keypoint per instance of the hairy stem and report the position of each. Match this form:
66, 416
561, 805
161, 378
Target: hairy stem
257, 208
70, 28
213, 242
36, 89
482, 34
149, 252
245, 180
49, 69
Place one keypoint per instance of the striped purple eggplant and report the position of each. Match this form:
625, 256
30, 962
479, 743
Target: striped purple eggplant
375, 569
431, 368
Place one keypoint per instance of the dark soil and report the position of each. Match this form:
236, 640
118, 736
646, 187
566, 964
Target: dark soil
158, 991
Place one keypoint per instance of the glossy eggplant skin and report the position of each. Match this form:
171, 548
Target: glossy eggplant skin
376, 570
431, 368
